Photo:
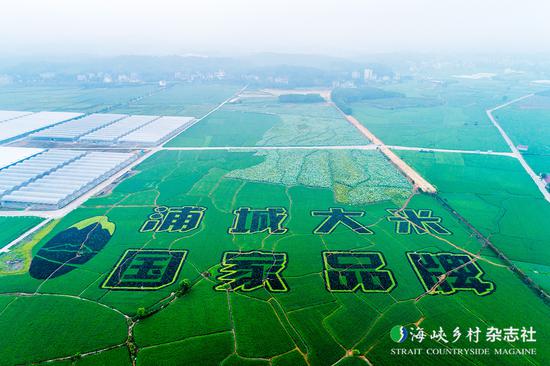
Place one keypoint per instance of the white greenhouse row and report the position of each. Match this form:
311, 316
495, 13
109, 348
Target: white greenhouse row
104, 129
11, 155
113, 132
25, 124
17, 175
7, 115
53, 179
73, 130
157, 131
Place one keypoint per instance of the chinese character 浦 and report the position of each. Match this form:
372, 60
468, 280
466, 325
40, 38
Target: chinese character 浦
174, 219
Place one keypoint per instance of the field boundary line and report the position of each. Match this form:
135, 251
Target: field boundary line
538, 181
32, 230
451, 151
539, 291
237, 93
252, 148
404, 168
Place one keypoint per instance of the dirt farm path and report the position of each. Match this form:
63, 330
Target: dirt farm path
410, 173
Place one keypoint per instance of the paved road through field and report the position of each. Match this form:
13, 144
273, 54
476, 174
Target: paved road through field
538, 181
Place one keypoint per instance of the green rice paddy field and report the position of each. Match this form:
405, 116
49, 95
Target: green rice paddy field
178, 99
520, 120
264, 216
498, 198
182, 100
447, 113
70, 99
73, 319
266, 122
13, 227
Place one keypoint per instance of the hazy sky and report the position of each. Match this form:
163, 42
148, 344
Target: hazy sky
343, 27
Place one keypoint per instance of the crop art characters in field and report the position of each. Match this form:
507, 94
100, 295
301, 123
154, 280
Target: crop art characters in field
174, 219
421, 221
146, 269
349, 271
447, 273
250, 221
336, 216
249, 271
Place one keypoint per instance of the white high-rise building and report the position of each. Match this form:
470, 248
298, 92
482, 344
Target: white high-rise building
368, 74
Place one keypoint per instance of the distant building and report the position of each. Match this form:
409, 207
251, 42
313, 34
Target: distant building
124, 78
343, 84
355, 75
368, 74
523, 148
